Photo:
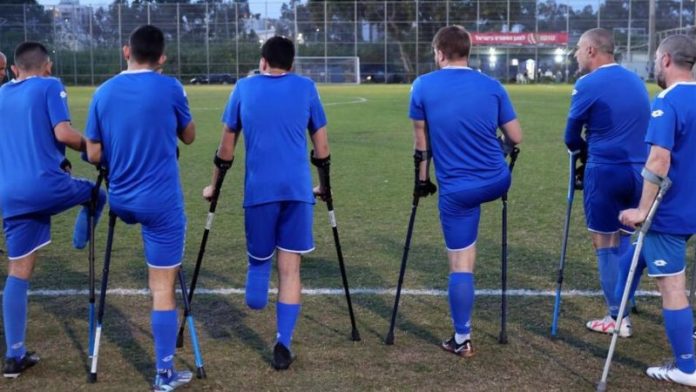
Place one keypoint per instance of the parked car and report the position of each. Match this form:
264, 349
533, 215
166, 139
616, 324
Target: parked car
221, 78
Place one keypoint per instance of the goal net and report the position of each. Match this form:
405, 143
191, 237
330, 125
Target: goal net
329, 69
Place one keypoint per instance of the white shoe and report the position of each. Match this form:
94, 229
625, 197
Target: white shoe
607, 325
671, 372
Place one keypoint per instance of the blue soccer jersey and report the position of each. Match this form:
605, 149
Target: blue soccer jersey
30, 175
275, 112
136, 116
463, 109
673, 126
613, 104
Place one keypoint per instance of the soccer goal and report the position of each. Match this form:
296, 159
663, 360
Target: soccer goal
329, 69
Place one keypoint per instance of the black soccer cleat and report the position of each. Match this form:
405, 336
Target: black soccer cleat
463, 350
282, 357
14, 367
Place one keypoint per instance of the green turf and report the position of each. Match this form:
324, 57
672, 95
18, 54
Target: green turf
371, 148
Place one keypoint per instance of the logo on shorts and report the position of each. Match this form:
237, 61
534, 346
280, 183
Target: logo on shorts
574, 92
660, 263
63, 94
657, 113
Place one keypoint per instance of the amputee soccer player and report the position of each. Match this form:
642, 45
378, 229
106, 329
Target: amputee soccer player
613, 106
133, 124
456, 112
34, 183
275, 110
672, 139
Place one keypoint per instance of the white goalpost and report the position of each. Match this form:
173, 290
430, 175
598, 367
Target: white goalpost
331, 69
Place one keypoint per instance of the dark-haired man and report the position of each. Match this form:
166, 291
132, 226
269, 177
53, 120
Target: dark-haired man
460, 131
672, 139
612, 104
134, 121
276, 109
34, 131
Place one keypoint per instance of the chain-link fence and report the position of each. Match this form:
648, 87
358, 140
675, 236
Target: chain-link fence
518, 40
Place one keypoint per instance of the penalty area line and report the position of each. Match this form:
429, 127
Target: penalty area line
339, 291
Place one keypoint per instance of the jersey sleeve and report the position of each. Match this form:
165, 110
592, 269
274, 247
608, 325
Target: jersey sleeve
93, 129
57, 103
581, 101
416, 109
663, 124
317, 117
232, 115
506, 112
181, 108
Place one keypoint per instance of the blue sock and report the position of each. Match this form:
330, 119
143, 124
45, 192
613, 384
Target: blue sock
14, 314
679, 325
608, 263
286, 318
258, 278
625, 258
81, 230
164, 323
461, 300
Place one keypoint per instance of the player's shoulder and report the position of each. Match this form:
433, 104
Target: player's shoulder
677, 90
301, 80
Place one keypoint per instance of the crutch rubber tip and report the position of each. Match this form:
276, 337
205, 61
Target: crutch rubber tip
92, 378
601, 386
502, 339
200, 372
355, 335
389, 340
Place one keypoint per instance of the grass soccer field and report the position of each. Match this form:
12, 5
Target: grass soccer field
371, 148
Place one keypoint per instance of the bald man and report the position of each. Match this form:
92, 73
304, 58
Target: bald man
612, 105
672, 148
3, 67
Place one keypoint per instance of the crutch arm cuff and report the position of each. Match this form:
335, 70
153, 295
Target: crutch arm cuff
222, 163
653, 178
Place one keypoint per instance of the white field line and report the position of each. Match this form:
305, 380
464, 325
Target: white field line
352, 102
339, 292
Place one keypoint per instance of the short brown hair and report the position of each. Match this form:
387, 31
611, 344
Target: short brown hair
453, 41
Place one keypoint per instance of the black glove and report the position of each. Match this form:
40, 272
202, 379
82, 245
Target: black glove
505, 146
580, 170
424, 188
323, 166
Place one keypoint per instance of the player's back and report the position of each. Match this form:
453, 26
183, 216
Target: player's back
30, 155
674, 122
463, 110
276, 113
618, 115
137, 118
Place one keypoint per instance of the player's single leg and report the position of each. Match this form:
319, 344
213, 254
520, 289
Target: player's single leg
665, 257
626, 249
24, 235
460, 213
259, 227
288, 307
164, 235
604, 186
294, 228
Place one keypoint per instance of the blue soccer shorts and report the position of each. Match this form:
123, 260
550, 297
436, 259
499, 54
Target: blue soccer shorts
609, 189
460, 212
163, 234
25, 234
665, 254
285, 225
